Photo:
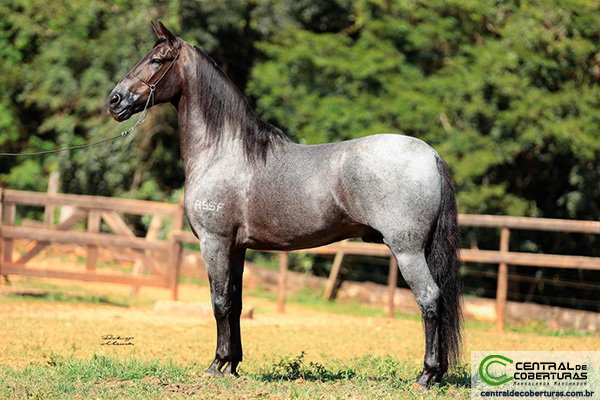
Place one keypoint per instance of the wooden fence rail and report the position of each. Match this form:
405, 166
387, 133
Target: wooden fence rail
96, 210
92, 210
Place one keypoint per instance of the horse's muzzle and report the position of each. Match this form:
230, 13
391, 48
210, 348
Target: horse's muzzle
120, 104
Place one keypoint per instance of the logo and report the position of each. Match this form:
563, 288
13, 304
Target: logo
514, 375
494, 379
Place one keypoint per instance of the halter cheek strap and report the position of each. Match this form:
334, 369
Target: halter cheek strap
152, 86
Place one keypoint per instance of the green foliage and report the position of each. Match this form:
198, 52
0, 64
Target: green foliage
26, 176
60, 60
507, 92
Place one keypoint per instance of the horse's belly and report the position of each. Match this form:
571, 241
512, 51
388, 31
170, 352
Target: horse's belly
288, 223
274, 236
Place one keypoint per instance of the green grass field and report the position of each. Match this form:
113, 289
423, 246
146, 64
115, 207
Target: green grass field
52, 331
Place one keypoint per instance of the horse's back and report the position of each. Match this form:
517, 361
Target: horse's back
313, 195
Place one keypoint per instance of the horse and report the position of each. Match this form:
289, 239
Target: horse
247, 186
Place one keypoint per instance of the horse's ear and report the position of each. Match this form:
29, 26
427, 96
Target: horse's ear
156, 30
167, 33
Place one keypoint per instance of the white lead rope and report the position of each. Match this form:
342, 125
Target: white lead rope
83, 146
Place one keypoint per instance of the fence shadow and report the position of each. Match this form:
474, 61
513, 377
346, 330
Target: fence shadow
63, 297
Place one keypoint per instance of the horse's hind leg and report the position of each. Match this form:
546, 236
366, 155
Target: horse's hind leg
225, 267
416, 273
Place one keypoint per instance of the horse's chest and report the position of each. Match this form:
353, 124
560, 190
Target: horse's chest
214, 206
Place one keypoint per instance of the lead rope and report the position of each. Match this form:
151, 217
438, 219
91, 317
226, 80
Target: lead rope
110, 139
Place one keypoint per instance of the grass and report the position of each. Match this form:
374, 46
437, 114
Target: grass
192, 280
265, 260
61, 297
31, 290
369, 377
314, 300
316, 350
112, 265
99, 376
540, 328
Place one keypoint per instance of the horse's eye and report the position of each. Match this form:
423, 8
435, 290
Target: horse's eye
156, 61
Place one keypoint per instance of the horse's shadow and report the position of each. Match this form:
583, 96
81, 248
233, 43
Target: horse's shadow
298, 369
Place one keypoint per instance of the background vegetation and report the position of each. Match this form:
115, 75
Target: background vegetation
507, 91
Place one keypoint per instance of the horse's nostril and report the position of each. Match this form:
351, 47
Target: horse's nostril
115, 100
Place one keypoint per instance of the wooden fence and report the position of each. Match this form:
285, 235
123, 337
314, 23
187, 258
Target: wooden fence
502, 257
93, 211
110, 210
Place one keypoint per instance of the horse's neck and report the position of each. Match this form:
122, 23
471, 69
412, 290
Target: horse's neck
198, 146
195, 146
194, 143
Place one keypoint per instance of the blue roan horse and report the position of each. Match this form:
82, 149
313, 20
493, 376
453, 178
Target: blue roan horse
248, 187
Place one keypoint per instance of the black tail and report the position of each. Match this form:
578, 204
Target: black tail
443, 261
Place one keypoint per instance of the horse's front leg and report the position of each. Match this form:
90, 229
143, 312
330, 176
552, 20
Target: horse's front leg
225, 267
237, 271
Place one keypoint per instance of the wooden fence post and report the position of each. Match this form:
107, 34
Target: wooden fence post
176, 251
10, 214
152, 234
333, 276
175, 261
53, 182
392, 283
283, 267
501, 292
93, 226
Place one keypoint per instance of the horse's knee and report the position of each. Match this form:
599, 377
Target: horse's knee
221, 306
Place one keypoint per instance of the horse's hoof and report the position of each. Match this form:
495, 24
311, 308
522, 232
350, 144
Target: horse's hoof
231, 369
423, 381
417, 387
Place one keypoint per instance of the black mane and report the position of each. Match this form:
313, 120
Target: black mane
222, 102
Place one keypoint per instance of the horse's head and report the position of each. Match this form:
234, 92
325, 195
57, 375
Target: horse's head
156, 73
